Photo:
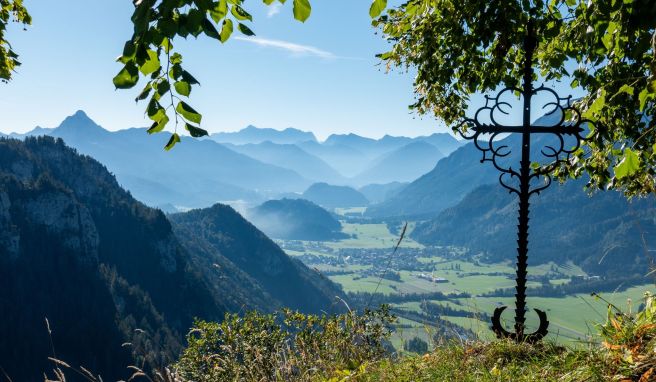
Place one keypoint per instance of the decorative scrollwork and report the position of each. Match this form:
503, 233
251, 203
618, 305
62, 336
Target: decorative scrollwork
485, 128
562, 121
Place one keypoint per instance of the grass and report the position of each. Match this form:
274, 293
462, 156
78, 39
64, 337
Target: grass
572, 318
407, 329
370, 236
495, 361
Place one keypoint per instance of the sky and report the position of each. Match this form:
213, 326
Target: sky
320, 76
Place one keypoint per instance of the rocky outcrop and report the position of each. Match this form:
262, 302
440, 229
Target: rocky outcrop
60, 214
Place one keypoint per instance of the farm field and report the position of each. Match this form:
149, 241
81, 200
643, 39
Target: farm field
460, 287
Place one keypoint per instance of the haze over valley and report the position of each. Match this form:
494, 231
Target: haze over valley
264, 219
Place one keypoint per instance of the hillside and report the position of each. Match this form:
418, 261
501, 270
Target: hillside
329, 196
291, 157
404, 164
455, 176
346, 160
605, 234
200, 173
77, 249
295, 219
378, 193
219, 231
252, 134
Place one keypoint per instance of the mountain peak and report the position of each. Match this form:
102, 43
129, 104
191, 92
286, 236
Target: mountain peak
79, 121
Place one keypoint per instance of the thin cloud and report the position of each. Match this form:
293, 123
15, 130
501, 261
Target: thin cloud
273, 10
294, 49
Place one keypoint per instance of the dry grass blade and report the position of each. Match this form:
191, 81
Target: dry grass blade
389, 262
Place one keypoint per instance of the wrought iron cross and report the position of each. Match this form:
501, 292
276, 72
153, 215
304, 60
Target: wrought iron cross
483, 129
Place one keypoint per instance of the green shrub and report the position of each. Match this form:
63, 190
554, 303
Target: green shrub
286, 346
630, 341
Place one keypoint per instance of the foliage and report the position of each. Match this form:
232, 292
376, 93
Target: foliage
416, 345
150, 53
288, 346
10, 10
630, 340
460, 48
495, 361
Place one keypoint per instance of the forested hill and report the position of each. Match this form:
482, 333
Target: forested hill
605, 234
77, 249
296, 219
219, 231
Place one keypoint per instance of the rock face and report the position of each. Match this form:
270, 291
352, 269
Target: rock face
61, 215
77, 249
9, 235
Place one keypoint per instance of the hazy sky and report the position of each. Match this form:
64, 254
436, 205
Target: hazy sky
320, 76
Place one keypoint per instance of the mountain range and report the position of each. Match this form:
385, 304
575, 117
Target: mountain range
254, 135
603, 233
457, 175
103, 269
250, 165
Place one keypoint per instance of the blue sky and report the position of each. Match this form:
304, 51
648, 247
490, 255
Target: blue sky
320, 76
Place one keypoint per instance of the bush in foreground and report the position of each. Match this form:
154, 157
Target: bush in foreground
288, 346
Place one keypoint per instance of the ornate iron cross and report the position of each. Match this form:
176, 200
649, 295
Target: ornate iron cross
483, 129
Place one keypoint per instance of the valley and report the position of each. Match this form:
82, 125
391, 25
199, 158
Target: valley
266, 220
426, 283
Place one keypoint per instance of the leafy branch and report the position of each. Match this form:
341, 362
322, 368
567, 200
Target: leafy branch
157, 23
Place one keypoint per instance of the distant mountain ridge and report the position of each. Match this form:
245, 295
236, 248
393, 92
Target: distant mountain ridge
378, 193
255, 135
200, 173
404, 164
257, 165
292, 157
454, 177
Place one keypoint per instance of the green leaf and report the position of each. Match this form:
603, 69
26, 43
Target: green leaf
240, 13
151, 64
144, 93
220, 11
127, 77
625, 89
643, 97
175, 138
377, 7
209, 29
226, 30
159, 125
245, 30
163, 87
628, 166
302, 10
183, 88
186, 76
188, 112
195, 132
